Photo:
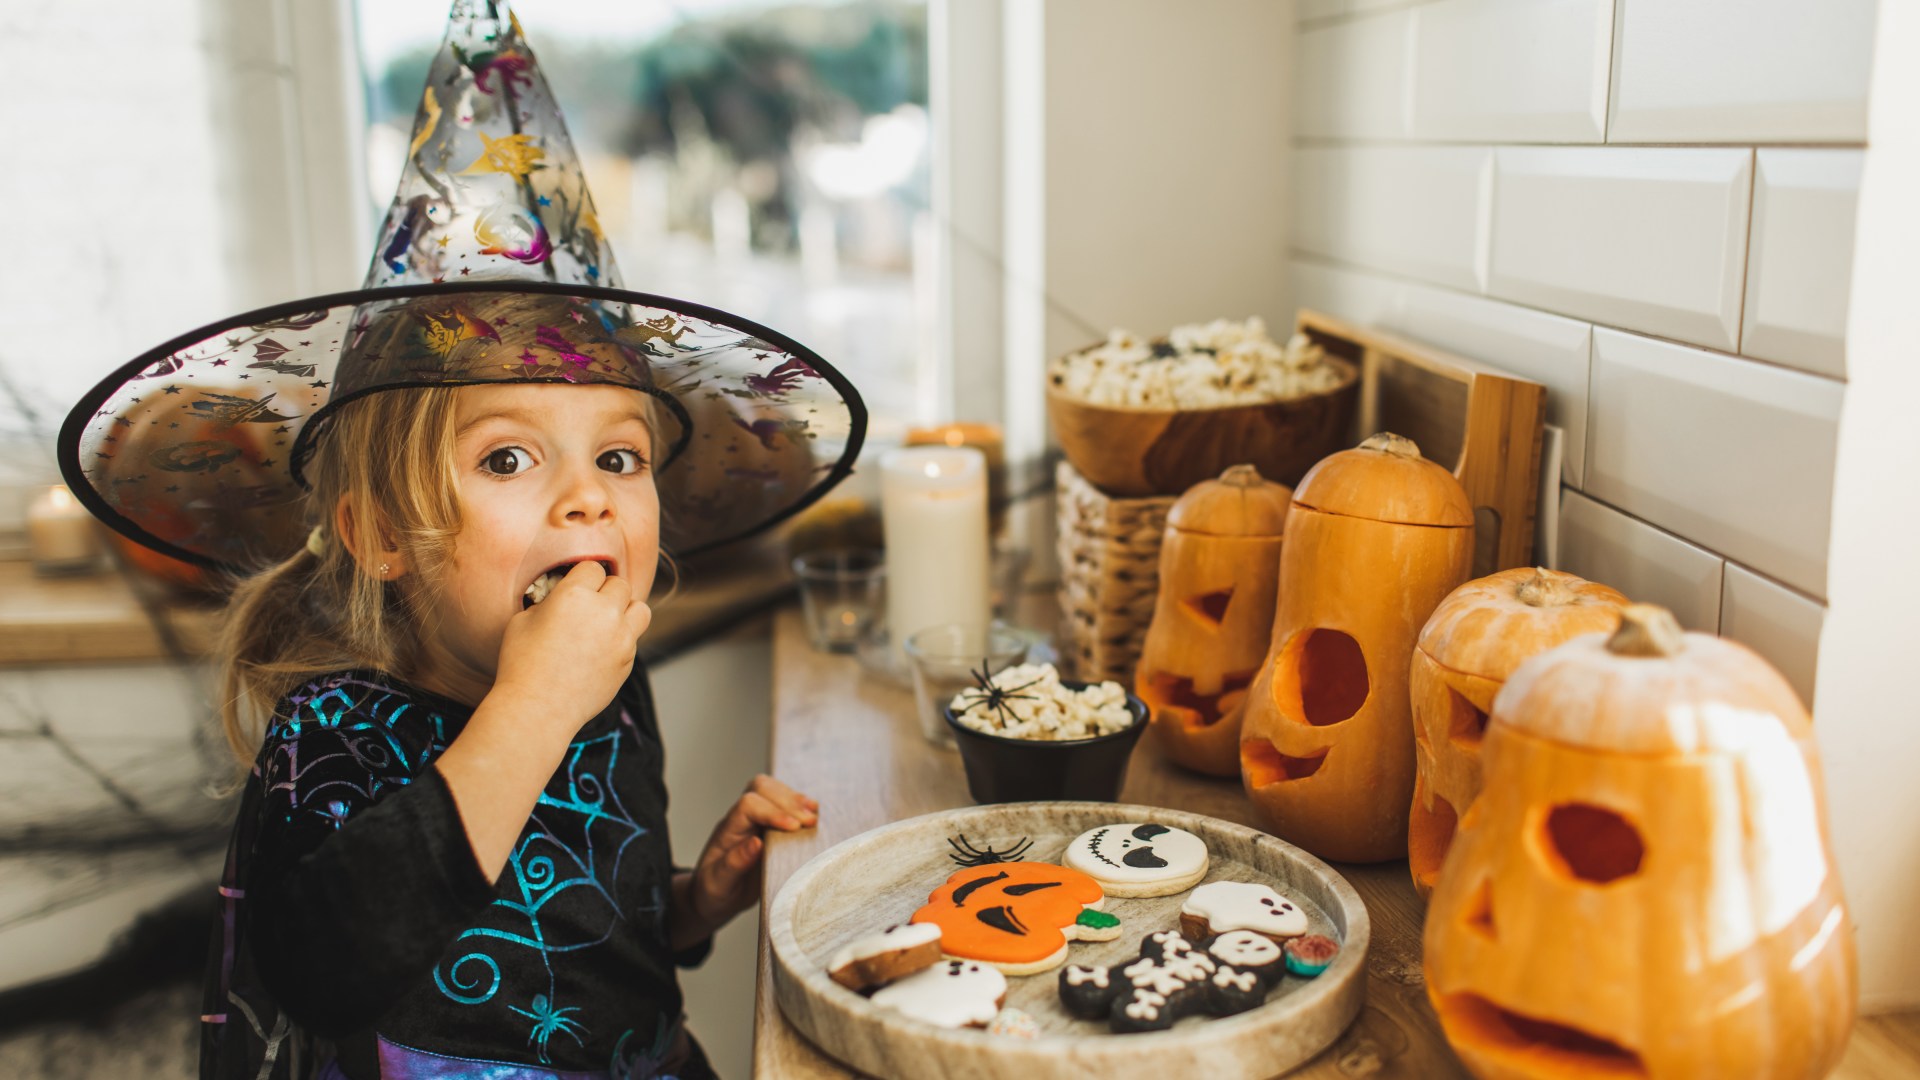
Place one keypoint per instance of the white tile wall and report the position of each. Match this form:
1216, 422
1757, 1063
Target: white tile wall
1741, 70
1649, 240
1775, 622
1546, 348
1601, 544
1512, 70
1800, 258
1352, 79
1726, 452
1412, 210
1351, 294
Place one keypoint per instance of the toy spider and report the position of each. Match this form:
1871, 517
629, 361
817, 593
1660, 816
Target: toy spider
970, 856
995, 698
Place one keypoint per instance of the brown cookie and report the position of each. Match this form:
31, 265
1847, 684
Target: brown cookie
878, 959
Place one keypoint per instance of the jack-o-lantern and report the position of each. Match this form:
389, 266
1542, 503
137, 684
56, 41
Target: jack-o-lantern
1219, 567
1643, 887
1476, 637
1017, 916
1376, 537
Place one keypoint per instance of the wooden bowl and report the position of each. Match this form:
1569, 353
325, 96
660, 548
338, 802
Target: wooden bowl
1139, 452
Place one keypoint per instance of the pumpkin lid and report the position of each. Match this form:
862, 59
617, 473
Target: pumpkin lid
1240, 503
1489, 625
1649, 689
1386, 479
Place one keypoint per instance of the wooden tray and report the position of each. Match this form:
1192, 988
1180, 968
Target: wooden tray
1480, 422
881, 877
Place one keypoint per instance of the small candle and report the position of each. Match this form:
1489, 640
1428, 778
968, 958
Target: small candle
985, 438
933, 505
60, 533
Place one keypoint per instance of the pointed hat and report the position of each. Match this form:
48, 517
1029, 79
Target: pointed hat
491, 267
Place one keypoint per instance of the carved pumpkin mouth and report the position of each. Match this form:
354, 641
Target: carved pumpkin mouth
1176, 695
1554, 1048
1265, 764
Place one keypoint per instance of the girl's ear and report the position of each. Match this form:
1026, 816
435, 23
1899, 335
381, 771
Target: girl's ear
381, 560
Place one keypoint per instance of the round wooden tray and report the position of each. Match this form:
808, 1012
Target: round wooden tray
883, 876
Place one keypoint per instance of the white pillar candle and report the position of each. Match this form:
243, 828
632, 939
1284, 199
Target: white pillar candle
933, 503
60, 532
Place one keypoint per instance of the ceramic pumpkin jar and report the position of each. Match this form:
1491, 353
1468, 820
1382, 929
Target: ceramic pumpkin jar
1476, 637
1377, 536
1643, 887
1219, 567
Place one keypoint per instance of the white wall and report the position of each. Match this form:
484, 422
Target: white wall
1646, 205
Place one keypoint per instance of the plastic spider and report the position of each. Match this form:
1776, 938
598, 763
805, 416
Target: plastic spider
547, 1020
995, 698
968, 855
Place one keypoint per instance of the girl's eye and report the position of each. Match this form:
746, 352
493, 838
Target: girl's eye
506, 461
622, 461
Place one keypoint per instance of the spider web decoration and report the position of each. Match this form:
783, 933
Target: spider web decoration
966, 854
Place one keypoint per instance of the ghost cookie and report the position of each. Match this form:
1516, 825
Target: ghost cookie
1139, 859
1017, 916
953, 993
1220, 906
878, 959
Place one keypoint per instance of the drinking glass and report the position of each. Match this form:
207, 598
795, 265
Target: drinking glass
841, 595
944, 659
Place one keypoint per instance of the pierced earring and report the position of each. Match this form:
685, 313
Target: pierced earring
383, 570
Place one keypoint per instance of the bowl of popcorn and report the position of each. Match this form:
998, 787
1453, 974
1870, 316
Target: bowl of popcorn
1026, 734
1143, 416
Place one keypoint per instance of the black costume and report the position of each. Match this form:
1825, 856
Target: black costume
358, 937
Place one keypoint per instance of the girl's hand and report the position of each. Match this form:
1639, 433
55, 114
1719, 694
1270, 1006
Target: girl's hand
726, 880
571, 651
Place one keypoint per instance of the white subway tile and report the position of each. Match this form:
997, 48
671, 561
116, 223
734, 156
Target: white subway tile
1775, 622
1512, 70
1741, 71
1601, 544
1354, 295
1800, 258
1730, 453
1351, 78
1419, 211
1548, 349
1646, 239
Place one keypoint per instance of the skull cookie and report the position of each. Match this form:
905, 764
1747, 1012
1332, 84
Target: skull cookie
1139, 859
1219, 906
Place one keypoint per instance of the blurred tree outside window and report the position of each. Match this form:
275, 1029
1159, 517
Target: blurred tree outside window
767, 157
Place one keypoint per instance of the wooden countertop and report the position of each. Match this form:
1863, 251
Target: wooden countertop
850, 741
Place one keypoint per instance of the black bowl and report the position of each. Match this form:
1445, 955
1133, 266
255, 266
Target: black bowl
1001, 769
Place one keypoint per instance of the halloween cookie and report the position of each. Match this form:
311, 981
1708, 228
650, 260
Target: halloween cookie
1171, 979
1220, 906
1310, 955
1249, 951
953, 993
1139, 859
1017, 916
893, 953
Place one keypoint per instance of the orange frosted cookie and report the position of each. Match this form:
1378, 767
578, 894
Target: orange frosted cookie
1017, 916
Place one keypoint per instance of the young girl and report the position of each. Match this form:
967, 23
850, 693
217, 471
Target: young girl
444, 497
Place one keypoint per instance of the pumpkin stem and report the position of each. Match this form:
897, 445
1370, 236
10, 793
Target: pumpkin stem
1242, 476
1646, 630
1389, 443
1545, 589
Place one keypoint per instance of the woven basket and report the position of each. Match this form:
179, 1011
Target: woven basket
1109, 576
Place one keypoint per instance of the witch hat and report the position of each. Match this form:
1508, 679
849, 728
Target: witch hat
491, 267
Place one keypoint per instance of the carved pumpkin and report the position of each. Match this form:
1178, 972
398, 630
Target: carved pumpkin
1219, 567
1643, 888
1376, 537
1476, 637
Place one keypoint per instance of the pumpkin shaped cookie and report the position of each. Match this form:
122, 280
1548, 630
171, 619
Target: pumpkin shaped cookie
1017, 916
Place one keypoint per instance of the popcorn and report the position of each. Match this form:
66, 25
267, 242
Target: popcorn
1198, 366
1042, 708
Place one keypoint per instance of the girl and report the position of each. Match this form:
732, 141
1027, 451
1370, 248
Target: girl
445, 496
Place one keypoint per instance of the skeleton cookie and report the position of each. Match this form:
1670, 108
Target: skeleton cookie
1219, 906
1139, 859
1171, 979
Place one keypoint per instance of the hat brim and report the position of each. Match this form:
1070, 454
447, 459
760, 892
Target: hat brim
193, 456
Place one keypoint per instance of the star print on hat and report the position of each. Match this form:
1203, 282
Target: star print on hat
491, 267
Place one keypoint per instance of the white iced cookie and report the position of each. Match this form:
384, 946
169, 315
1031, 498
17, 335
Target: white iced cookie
1245, 949
882, 957
1220, 906
1136, 859
953, 993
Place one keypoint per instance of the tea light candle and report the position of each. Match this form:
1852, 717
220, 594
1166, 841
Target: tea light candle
933, 506
60, 533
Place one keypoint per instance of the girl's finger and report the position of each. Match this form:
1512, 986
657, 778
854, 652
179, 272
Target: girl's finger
763, 812
785, 797
639, 616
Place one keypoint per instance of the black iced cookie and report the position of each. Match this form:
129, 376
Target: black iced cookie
1086, 992
1171, 979
1246, 950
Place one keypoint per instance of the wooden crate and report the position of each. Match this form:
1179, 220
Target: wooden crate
1109, 552
1480, 422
